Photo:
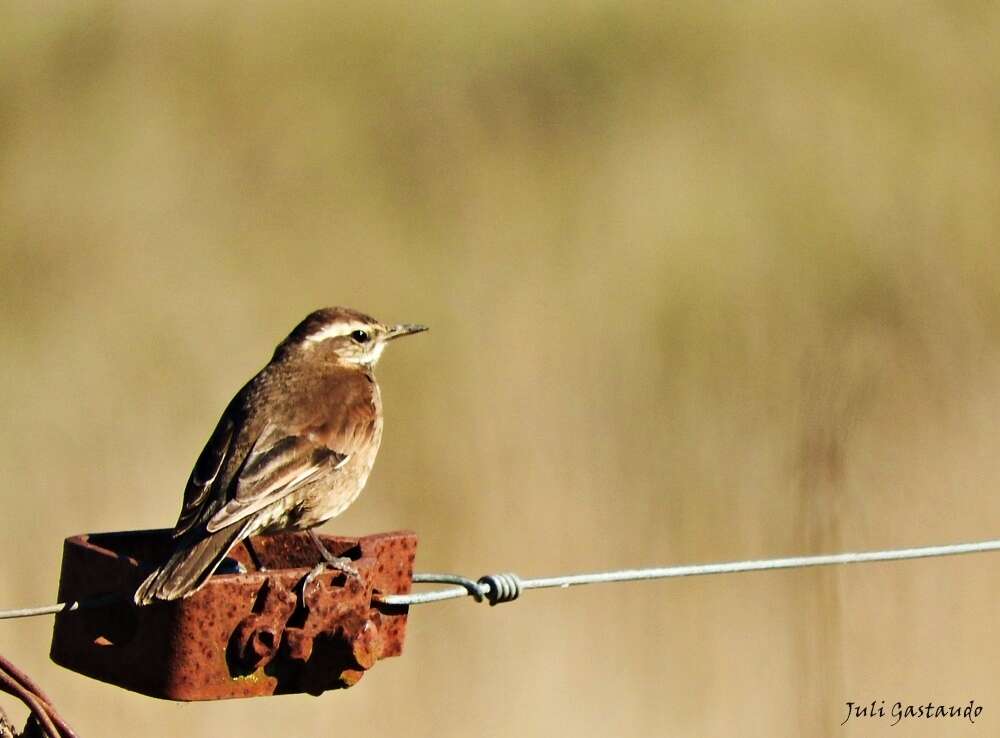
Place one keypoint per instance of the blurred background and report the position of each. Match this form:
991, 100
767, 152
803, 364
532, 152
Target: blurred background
705, 282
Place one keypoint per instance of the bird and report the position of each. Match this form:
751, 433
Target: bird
293, 449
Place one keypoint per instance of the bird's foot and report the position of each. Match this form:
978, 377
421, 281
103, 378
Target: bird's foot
337, 563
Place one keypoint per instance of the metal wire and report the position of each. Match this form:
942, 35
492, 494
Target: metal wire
15, 682
498, 588
491, 587
30, 612
495, 589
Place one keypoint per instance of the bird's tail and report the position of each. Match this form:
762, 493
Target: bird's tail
189, 567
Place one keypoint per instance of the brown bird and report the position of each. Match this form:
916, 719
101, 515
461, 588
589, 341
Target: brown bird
293, 448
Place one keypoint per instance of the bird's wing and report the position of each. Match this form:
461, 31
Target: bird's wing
276, 466
206, 471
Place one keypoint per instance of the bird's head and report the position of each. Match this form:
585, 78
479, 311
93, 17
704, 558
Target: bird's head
346, 336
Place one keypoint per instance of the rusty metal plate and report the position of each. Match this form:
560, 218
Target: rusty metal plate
241, 635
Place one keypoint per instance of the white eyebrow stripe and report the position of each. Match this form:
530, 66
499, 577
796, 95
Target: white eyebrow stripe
334, 331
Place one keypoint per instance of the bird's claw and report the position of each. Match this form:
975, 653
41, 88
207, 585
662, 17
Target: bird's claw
339, 563
344, 564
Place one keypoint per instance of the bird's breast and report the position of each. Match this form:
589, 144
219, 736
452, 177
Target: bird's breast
330, 493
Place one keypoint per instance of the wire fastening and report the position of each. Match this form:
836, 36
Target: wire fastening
501, 587
496, 588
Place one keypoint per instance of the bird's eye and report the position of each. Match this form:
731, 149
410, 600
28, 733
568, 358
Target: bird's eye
360, 336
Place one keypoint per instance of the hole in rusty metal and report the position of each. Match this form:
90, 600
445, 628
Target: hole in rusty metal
261, 599
266, 638
353, 553
116, 627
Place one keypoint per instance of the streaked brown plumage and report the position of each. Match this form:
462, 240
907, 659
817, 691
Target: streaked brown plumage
293, 448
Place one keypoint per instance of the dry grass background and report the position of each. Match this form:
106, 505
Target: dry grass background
705, 282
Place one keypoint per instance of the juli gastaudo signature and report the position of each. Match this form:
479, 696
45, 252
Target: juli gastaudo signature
895, 712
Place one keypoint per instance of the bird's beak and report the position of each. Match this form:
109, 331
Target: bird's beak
404, 330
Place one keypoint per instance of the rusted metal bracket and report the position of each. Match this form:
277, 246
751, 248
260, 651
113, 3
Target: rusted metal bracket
241, 635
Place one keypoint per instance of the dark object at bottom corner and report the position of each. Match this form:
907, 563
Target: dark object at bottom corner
241, 635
